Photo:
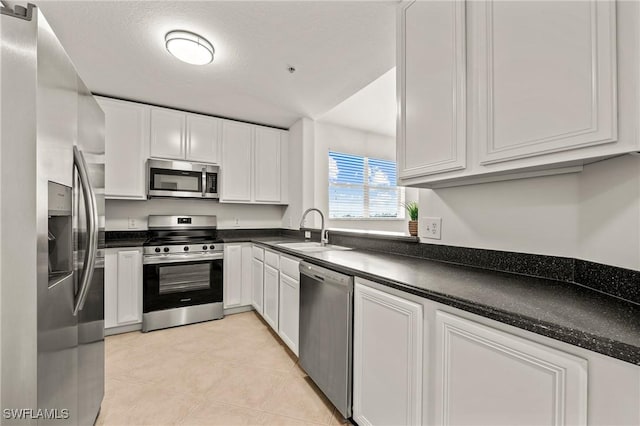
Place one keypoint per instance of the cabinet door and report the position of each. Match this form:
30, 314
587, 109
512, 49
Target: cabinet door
167, 134
545, 76
257, 277
431, 83
110, 288
267, 165
289, 312
387, 359
271, 287
126, 146
129, 286
246, 275
486, 376
236, 167
232, 275
202, 139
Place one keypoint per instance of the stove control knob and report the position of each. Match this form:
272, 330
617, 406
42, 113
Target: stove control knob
212, 247
157, 249
186, 248
166, 249
204, 247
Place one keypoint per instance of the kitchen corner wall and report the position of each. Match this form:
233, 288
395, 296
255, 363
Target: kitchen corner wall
248, 216
592, 215
310, 142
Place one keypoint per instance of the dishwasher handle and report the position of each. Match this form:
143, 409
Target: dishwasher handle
325, 275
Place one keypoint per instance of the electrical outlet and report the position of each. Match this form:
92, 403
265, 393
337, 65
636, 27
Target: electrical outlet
307, 234
433, 227
133, 223
236, 222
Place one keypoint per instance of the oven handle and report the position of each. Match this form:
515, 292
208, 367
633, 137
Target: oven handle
161, 259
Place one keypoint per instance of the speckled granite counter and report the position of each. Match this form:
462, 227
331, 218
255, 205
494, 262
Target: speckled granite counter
117, 239
563, 311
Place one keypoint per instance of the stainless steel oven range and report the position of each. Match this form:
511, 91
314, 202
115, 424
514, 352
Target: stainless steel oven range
183, 272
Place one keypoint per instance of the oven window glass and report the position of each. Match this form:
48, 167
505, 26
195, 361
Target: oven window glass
176, 180
181, 278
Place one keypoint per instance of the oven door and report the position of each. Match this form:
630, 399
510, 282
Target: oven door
179, 284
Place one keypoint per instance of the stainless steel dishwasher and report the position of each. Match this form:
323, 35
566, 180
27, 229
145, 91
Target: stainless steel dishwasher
326, 330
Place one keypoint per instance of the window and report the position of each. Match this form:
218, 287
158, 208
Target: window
363, 188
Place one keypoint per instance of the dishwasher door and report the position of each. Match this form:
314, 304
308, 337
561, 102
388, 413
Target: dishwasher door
326, 330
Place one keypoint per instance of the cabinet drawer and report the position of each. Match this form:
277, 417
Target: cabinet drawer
290, 267
272, 259
258, 253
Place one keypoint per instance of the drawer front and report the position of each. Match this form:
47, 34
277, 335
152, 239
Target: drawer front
258, 253
272, 259
290, 267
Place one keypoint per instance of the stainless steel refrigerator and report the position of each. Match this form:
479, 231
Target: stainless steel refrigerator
51, 230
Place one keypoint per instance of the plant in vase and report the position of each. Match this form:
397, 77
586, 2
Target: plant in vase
412, 209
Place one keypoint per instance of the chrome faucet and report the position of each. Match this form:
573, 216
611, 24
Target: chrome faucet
323, 233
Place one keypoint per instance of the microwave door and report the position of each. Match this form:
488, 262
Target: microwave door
175, 183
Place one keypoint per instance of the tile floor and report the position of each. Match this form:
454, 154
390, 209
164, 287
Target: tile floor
233, 371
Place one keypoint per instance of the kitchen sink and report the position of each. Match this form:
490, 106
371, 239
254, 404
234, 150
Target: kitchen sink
311, 246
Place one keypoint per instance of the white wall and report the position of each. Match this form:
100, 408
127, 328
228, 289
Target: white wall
301, 140
593, 215
248, 216
610, 212
343, 139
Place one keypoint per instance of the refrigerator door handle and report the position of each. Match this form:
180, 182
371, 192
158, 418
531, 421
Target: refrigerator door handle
91, 209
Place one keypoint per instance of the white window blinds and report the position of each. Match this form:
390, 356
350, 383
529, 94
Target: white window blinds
363, 188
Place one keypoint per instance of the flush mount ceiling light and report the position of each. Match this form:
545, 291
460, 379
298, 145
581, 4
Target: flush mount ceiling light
189, 47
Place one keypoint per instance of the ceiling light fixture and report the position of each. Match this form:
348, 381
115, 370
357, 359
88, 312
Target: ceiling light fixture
189, 47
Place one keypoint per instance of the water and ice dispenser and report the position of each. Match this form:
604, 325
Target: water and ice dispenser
60, 233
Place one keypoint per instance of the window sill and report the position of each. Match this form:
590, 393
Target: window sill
367, 219
381, 235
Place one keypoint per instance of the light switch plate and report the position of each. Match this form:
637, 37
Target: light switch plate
433, 227
307, 234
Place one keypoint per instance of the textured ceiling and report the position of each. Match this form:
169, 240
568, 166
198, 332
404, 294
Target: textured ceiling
337, 48
372, 109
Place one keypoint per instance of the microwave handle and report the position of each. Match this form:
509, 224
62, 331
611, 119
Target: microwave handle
204, 181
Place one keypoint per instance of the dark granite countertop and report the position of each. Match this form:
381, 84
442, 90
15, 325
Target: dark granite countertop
128, 242
560, 310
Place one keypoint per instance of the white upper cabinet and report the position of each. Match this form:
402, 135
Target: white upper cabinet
178, 135
202, 139
168, 134
267, 165
254, 164
237, 161
126, 146
545, 76
493, 90
431, 81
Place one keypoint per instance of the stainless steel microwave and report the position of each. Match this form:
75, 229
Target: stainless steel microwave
182, 179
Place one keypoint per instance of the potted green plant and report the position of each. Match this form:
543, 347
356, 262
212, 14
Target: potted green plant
412, 209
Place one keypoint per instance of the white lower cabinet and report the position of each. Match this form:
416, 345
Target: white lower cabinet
257, 287
289, 302
271, 296
485, 376
387, 359
237, 275
123, 287
416, 361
